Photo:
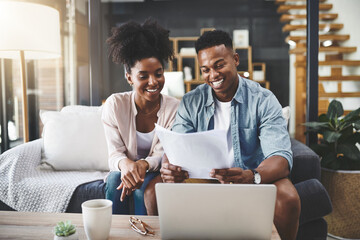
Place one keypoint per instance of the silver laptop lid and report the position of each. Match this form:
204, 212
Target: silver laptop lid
215, 211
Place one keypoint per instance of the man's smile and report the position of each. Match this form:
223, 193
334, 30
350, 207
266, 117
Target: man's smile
217, 83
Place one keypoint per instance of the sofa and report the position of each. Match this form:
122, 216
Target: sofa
315, 202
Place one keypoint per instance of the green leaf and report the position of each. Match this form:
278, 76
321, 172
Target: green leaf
331, 137
330, 161
65, 229
349, 151
321, 149
357, 137
317, 125
357, 125
335, 110
346, 135
353, 116
323, 118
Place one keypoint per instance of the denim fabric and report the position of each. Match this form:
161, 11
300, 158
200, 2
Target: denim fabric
113, 181
258, 128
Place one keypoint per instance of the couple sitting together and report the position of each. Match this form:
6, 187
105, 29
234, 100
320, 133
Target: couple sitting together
252, 116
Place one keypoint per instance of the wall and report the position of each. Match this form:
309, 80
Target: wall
349, 15
186, 18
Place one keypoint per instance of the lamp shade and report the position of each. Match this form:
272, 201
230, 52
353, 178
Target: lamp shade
31, 28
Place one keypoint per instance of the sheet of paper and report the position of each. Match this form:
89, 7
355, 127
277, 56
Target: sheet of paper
198, 153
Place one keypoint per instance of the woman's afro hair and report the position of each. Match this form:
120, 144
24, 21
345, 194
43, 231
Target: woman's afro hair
132, 42
213, 38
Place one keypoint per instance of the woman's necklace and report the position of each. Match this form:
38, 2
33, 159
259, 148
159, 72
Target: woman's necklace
148, 113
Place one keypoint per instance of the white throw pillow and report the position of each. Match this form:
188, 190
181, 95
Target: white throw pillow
75, 140
286, 114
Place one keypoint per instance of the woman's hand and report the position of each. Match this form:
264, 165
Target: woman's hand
171, 173
132, 175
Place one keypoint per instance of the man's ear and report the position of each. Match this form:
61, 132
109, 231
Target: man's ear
128, 78
236, 58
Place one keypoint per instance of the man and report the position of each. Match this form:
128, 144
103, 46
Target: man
259, 144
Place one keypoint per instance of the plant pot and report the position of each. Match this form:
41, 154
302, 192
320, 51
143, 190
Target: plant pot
74, 236
343, 189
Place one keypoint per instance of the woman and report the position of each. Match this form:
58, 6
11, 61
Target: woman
129, 118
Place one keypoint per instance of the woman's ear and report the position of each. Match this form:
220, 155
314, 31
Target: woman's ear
128, 78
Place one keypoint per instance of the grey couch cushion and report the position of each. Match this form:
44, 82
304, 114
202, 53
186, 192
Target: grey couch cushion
315, 201
84, 192
306, 163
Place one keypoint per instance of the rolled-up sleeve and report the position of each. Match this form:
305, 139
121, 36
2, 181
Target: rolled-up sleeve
273, 134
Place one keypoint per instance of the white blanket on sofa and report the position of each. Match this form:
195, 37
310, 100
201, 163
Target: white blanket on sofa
25, 187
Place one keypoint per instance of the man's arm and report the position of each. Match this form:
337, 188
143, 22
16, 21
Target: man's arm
271, 170
273, 134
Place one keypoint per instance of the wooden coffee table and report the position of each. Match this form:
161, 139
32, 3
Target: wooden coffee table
30, 225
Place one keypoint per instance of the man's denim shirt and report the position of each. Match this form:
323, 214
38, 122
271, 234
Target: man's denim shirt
258, 128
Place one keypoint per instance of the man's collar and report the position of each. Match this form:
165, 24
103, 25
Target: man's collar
238, 97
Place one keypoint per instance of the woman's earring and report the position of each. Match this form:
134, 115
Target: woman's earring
131, 84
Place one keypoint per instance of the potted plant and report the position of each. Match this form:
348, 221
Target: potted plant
338, 148
65, 231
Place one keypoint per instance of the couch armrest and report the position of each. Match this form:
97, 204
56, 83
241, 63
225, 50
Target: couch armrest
306, 163
315, 201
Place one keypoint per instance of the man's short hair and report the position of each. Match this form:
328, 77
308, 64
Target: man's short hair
213, 38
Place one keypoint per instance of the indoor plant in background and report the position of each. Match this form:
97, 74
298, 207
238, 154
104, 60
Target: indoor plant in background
338, 148
65, 231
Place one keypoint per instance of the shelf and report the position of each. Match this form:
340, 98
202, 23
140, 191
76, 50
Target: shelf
340, 63
300, 50
292, 1
332, 63
286, 8
186, 55
177, 64
249, 59
340, 95
340, 78
192, 82
322, 16
323, 37
195, 82
331, 27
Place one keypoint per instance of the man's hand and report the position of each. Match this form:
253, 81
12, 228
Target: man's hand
171, 173
232, 175
132, 176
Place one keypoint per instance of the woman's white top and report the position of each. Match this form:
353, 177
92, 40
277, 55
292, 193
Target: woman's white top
144, 141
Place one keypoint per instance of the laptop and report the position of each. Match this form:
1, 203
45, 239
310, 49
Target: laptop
215, 211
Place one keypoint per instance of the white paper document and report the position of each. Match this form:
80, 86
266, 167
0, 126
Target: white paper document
198, 153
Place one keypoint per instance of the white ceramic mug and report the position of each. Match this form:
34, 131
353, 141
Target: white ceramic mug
97, 214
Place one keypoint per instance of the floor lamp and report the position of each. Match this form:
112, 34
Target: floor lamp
28, 31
